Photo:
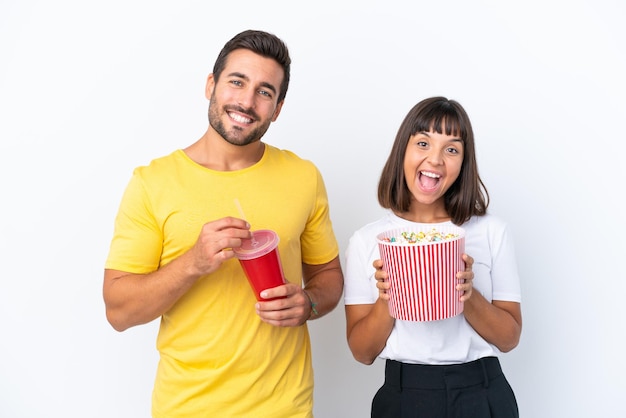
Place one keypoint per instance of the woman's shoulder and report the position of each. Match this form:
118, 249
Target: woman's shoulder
489, 219
488, 224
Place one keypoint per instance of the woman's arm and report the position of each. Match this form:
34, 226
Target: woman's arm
368, 327
499, 322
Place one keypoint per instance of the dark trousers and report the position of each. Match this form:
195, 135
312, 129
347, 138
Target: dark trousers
477, 389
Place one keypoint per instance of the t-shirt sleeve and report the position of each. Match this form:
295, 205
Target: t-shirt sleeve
137, 240
359, 281
319, 244
504, 273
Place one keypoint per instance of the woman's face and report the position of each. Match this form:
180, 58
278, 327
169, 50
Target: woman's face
432, 163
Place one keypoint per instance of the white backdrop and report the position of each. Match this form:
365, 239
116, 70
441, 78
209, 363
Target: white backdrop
89, 90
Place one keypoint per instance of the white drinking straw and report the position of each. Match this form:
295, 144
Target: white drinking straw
243, 216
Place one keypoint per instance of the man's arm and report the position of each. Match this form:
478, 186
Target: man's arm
134, 299
323, 285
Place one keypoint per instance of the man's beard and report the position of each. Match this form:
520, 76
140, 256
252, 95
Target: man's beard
235, 135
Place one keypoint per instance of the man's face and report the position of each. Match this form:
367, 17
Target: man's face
243, 102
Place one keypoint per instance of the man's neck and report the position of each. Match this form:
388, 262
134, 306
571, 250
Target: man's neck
217, 154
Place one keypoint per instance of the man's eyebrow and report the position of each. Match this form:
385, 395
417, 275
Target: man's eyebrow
245, 77
238, 75
269, 87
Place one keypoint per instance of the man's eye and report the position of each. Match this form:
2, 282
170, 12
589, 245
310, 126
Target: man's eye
265, 93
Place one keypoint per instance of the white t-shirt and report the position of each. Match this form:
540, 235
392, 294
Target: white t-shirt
448, 341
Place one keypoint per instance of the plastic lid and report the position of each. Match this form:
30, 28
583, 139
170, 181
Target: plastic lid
263, 242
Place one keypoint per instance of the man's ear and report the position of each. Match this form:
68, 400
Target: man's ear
210, 85
279, 106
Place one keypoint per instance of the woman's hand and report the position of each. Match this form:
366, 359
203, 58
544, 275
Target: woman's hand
381, 280
466, 278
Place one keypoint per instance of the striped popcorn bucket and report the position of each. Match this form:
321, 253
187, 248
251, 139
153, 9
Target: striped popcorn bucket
422, 275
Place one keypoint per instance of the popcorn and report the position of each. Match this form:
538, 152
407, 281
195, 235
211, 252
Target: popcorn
421, 237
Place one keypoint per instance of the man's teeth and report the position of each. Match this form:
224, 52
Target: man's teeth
431, 175
240, 118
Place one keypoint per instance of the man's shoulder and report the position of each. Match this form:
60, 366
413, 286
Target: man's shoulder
158, 163
288, 157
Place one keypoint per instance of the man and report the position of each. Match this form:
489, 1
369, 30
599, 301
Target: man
222, 353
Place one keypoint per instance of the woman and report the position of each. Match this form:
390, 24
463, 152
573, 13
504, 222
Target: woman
450, 367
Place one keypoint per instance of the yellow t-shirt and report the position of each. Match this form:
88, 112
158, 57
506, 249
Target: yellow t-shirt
217, 358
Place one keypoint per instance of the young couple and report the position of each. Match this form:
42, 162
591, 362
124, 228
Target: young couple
222, 352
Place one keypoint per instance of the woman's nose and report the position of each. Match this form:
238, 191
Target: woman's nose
435, 157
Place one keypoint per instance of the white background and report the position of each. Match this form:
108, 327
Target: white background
89, 90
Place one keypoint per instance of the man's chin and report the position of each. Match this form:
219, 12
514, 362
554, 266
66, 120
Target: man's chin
239, 142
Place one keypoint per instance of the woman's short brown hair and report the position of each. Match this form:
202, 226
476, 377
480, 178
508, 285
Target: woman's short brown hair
468, 195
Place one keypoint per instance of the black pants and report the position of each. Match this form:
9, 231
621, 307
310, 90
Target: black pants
471, 390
